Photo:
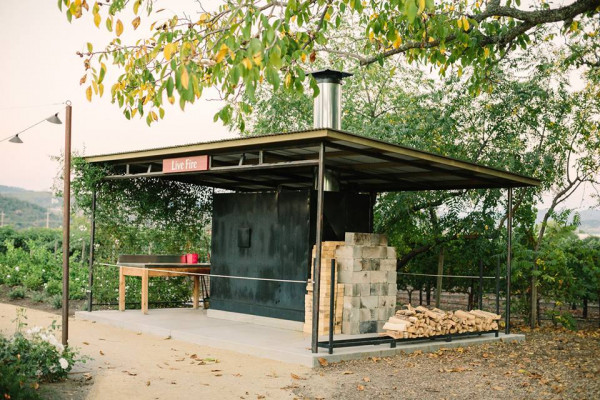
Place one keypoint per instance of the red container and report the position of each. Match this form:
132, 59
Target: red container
192, 258
183, 259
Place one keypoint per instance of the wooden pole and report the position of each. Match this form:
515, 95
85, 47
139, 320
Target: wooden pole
318, 244
66, 226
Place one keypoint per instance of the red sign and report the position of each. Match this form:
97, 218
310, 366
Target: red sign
185, 164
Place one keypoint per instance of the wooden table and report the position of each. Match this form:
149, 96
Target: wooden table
148, 270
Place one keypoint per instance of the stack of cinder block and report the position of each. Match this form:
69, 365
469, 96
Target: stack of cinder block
327, 254
367, 269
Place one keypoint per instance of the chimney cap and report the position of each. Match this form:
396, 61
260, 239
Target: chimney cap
330, 75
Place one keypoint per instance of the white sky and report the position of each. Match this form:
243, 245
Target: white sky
38, 66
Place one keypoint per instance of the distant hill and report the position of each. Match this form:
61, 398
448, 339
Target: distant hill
40, 198
26, 208
590, 221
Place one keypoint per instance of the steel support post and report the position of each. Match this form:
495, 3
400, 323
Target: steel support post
331, 305
90, 295
508, 257
319, 239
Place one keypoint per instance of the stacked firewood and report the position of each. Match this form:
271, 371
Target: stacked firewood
423, 322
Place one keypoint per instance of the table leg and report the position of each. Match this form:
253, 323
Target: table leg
145, 291
121, 289
196, 290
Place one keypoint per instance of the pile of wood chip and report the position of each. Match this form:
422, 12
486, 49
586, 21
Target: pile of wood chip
423, 322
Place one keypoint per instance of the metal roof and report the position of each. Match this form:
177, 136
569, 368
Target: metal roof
288, 160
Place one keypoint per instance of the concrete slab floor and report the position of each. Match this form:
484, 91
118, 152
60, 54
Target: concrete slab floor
267, 342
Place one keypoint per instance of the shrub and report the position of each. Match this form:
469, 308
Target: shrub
17, 293
31, 357
56, 301
38, 297
33, 281
54, 287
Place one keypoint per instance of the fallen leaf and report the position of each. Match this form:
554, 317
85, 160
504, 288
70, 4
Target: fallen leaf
87, 376
299, 378
173, 383
360, 388
147, 383
497, 388
367, 379
215, 370
347, 372
101, 353
86, 343
323, 362
237, 375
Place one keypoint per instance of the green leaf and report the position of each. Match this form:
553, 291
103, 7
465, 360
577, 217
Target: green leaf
411, 10
170, 86
90, 47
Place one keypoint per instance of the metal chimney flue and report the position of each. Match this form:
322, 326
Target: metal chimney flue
327, 112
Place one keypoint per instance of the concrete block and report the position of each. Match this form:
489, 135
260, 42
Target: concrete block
391, 252
345, 264
387, 264
391, 277
374, 252
365, 289
383, 291
366, 239
386, 301
392, 289
373, 313
361, 277
370, 264
354, 316
346, 327
355, 301
380, 325
348, 252
369, 301
345, 277
352, 289
368, 327
356, 238
365, 315
379, 276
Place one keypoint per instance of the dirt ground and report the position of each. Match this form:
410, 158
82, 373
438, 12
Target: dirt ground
550, 364
129, 365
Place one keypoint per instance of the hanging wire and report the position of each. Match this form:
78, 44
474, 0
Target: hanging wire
32, 106
28, 128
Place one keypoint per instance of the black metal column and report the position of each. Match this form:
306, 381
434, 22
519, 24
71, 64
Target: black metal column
91, 260
498, 286
508, 258
318, 243
332, 305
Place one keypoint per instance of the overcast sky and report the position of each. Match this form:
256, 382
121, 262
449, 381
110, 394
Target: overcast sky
39, 68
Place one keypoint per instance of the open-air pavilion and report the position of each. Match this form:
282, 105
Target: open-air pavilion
311, 162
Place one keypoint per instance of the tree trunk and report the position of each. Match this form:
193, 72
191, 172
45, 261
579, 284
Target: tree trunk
421, 296
534, 294
440, 272
428, 293
409, 292
585, 307
470, 302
